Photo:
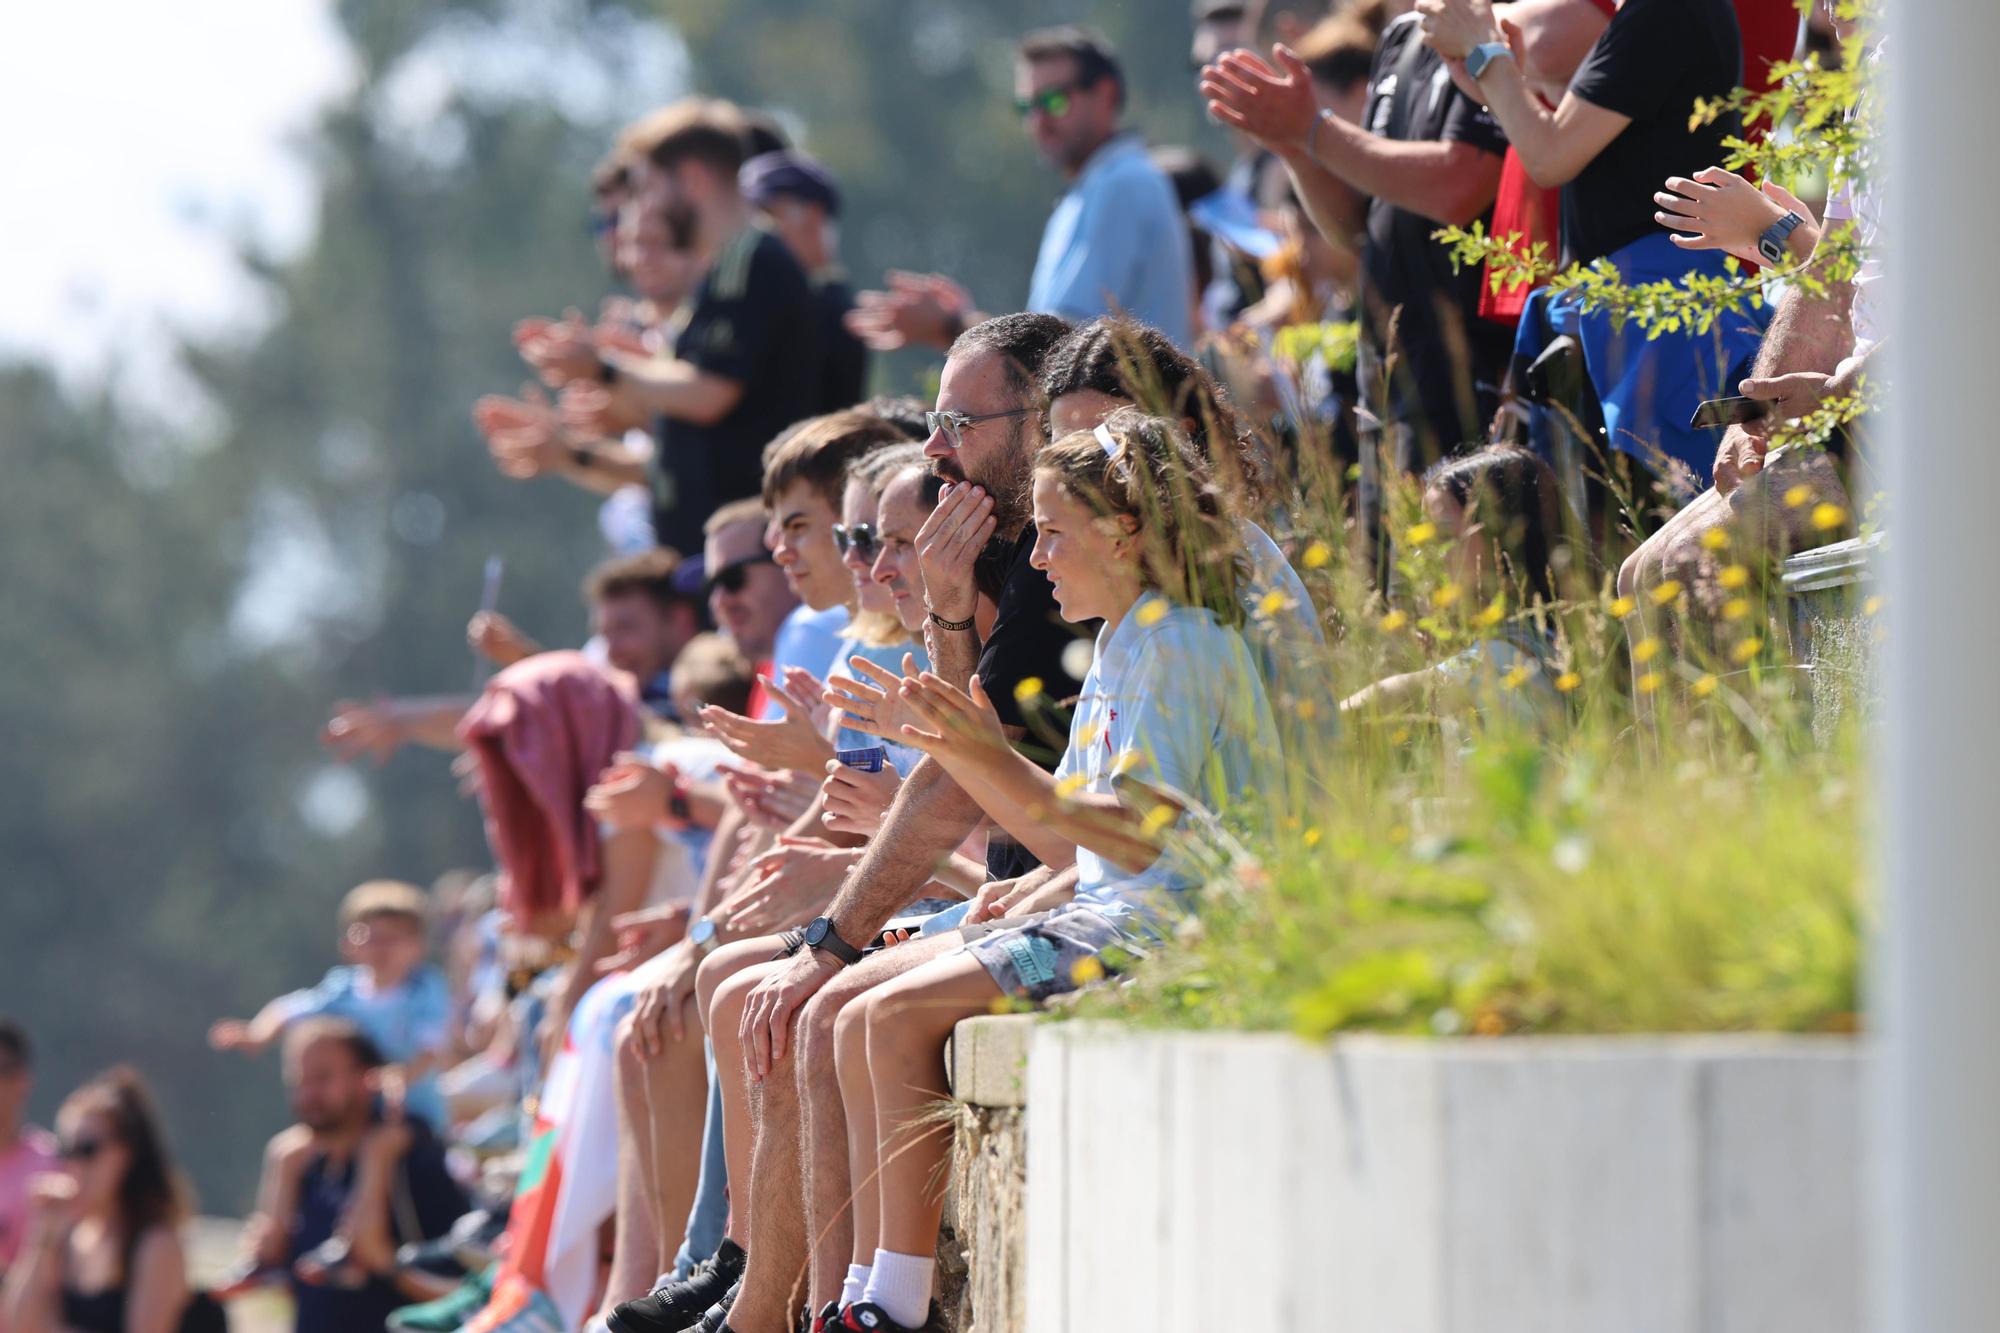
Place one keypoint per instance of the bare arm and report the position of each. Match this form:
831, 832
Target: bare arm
628, 871
672, 388
930, 817
31, 1301
157, 1292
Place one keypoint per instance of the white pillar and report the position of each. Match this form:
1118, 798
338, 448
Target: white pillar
1936, 1001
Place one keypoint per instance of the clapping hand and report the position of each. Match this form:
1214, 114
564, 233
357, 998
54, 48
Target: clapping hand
773, 800
876, 709
523, 434
853, 800
952, 726
561, 351
917, 309
1717, 209
792, 741
1276, 107
631, 794
786, 885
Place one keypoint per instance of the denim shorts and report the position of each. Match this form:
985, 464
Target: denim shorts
1050, 954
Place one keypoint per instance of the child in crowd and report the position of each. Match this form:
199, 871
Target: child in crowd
1499, 508
402, 1004
1173, 718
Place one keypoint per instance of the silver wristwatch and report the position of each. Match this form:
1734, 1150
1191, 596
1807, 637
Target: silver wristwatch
1484, 54
702, 935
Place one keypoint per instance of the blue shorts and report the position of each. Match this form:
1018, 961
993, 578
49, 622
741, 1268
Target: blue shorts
1051, 954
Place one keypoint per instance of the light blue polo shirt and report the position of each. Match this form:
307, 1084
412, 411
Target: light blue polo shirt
1174, 699
1116, 244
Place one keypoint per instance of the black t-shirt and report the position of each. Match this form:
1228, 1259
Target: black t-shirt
1651, 64
843, 379
1412, 99
436, 1201
751, 320
1027, 641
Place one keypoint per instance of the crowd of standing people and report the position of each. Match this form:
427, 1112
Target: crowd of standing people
894, 711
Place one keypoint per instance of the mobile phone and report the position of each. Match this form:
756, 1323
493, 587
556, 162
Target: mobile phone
1719, 413
868, 759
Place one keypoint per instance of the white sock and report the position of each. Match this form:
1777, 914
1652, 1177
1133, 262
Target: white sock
857, 1283
901, 1285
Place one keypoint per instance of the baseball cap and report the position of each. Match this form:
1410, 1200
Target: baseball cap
770, 176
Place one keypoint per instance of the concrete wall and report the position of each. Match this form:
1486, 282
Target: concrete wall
1670, 1185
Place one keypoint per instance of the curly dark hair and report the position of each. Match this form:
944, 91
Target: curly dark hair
1516, 499
1148, 469
1126, 359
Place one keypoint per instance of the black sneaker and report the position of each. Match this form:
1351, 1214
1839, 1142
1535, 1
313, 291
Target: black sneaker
675, 1306
717, 1318
827, 1319
866, 1318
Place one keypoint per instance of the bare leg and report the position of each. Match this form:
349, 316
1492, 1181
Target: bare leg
731, 961
636, 1244
908, 1020
773, 1287
674, 1086
830, 1186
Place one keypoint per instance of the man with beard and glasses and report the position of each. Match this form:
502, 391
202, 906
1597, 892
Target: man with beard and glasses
984, 433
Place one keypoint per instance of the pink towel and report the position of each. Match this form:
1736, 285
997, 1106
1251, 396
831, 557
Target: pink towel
542, 732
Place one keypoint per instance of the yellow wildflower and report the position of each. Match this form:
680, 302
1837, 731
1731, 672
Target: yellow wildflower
1735, 608
1419, 533
1827, 517
1733, 577
1623, 607
1746, 650
1715, 539
1269, 604
1157, 818
1666, 592
1316, 556
1495, 612
1568, 681
1026, 688
1516, 678
1307, 710
1394, 621
1127, 761
1155, 609
1086, 970
1445, 596
1312, 836
1649, 682
1704, 686
1797, 496
1871, 607
1645, 650
1071, 785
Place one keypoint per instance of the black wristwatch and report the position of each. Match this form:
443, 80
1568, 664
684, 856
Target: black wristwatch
1771, 245
822, 936
607, 374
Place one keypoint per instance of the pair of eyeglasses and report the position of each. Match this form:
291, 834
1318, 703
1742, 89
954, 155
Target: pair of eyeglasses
953, 424
861, 539
731, 578
80, 1150
1051, 102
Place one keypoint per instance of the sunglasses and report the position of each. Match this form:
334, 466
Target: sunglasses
953, 424
861, 539
1051, 102
733, 577
80, 1150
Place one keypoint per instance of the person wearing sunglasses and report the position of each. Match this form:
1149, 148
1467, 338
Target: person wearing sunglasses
1115, 243
103, 1251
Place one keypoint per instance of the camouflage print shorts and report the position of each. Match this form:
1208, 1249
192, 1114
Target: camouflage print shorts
1051, 954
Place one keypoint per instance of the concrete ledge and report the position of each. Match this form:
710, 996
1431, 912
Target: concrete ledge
989, 1060
1563, 1185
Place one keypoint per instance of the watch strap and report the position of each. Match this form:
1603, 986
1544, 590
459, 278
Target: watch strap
1484, 54
1771, 245
822, 936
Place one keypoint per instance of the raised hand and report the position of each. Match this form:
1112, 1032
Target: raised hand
1276, 107
631, 794
948, 546
792, 741
523, 434
356, 729
786, 886
1717, 209
923, 309
771, 800
874, 708
498, 639
561, 351
951, 725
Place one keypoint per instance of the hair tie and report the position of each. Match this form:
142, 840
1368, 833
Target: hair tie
1106, 439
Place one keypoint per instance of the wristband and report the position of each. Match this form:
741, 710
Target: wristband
953, 625
606, 372
581, 456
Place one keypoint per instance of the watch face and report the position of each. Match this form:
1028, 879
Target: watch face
816, 932
703, 932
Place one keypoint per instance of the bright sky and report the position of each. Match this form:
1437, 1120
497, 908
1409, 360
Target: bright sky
145, 137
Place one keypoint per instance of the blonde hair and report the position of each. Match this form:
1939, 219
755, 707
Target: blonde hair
384, 897
1145, 468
